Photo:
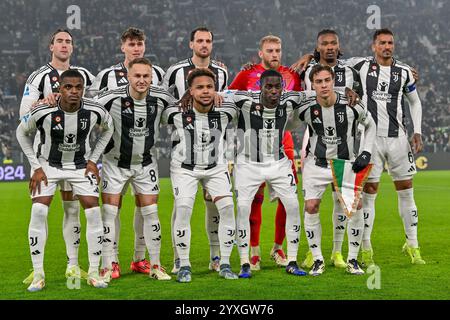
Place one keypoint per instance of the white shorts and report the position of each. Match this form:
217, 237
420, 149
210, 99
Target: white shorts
143, 180
216, 181
397, 154
278, 175
79, 183
315, 179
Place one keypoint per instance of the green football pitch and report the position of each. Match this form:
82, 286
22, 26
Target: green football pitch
396, 278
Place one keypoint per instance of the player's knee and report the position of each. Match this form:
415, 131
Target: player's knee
39, 211
224, 203
184, 206
290, 204
312, 207
403, 184
371, 188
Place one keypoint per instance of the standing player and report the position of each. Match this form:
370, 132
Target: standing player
327, 53
42, 83
199, 157
332, 125
249, 79
130, 157
175, 81
387, 83
132, 46
260, 158
64, 154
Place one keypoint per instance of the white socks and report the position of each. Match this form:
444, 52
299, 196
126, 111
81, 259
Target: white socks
116, 238
369, 218
182, 229
152, 232
139, 239
71, 230
37, 235
339, 224
292, 227
313, 230
109, 230
408, 212
212, 218
354, 234
94, 236
243, 229
227, 228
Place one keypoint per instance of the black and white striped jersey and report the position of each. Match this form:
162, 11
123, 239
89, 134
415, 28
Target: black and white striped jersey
175, 80
116, 76
345, 77
136, 125
202, 137
260, 130
44, 81
332, 129
64, 136
385, 88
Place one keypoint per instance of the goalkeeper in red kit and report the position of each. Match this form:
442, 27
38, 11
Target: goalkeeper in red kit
249, 79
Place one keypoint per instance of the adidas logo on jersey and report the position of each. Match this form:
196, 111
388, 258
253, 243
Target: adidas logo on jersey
58, 127
373, 74
317, 120
122, 81
55, 85
256, 113
127, 110
189, 127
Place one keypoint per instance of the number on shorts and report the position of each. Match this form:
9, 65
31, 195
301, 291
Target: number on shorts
290, 175
410, 157
152, 175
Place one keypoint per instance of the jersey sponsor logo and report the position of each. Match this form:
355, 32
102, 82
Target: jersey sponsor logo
329, 131
269, 124
140, 122
330, 137
382, 86
58, 127
70, 144
381, 96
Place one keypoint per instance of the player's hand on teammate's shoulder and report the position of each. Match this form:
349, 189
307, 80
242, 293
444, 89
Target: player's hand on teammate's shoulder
218, 100
221, 64
352, 97
92, 171
52, 98
415, 74
300, 65
417, 143
185, 102
248, 66
35, 181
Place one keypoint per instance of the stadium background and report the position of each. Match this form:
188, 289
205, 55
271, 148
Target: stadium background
422, 40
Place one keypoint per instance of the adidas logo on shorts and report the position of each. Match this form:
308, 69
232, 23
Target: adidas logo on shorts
412, 169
